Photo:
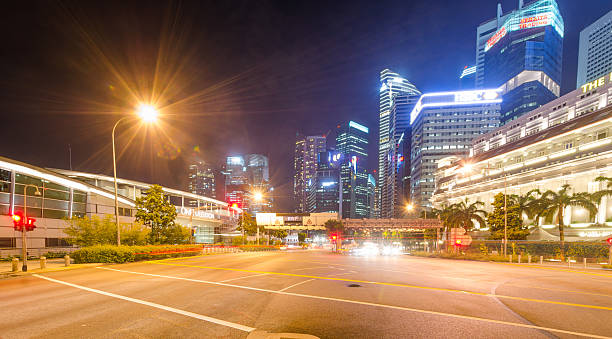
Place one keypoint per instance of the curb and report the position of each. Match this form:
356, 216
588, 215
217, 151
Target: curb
10, 274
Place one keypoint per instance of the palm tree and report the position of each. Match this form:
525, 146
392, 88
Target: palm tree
464, 214
444, 214
553, 204
527, 203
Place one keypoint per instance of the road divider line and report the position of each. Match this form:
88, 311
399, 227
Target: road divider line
301, 282
365, 303
439, 289
248, 276
154, 305
559, 290
555, 269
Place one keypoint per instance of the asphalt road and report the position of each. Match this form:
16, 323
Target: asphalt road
308, 292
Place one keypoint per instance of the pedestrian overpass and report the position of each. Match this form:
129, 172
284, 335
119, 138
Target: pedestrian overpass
402, 225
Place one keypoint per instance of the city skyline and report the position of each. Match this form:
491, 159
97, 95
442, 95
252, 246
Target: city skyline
53, 106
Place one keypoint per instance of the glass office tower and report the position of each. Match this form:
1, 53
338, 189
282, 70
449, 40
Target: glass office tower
352, 143
523, 58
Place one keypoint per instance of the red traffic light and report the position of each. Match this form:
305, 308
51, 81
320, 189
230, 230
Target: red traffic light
458, 242
17, 220
334, 237
609, 240
30, 224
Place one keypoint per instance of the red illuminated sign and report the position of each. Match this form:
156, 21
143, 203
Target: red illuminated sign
496, 37
533, 21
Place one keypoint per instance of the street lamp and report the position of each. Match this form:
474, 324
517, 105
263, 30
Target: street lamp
409, 207
467, 168
24, 245
148, 114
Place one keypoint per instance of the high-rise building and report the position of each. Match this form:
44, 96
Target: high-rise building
258, 178
523, 57
399, 132
307, 149
467, 79
392, 84
324, 191
595, 50
443, 124
352, 143
236, 181
371, 193
484, 32
246, 176
201, 180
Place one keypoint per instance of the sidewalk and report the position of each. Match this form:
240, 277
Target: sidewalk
34, 267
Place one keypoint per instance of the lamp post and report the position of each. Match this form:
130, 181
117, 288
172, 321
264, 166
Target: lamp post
24, 246
148, 114
468, 168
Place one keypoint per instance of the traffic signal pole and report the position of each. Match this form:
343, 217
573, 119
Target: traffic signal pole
24, 245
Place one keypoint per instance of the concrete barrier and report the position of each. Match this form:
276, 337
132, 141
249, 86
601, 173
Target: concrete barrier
541, 260
519, 258
529, 258
43, 263
15, 265
66, 260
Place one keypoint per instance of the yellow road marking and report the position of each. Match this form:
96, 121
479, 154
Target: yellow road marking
558, 289
365, 303
392, 284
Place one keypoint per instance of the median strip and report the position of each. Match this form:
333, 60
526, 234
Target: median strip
390, 284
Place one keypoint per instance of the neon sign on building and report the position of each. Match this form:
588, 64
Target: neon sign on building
539, 14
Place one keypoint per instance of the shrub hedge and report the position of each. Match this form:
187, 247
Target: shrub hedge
256, 248
123, 254
547, 249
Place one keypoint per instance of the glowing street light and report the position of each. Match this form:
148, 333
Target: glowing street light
258, 196
409, 207
148, 114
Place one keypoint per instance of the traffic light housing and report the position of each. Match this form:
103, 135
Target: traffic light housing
18, 221
334, 237
609, 240
29, 225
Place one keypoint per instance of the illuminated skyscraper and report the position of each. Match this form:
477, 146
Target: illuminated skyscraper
523, 58
444, 124
305, 165
236, 181
201, 181
245, 175
392, 84
352, 144
595, 51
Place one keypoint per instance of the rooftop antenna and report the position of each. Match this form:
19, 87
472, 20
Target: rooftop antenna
499, 13
521, 4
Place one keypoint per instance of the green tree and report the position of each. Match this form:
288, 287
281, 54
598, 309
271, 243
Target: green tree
87, 231
496, 220
526, 203
334, 225
280, 234
248, 224
301, 237
597, 196
552, 205
134, 234
156, 212
463, 214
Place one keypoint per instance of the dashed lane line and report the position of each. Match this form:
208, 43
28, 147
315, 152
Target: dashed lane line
395, 285
365, 303
148, 303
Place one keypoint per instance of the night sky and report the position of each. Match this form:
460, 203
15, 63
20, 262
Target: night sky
230, 77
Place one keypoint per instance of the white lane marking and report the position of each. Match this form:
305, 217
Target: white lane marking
248, 276
301, 282
416, 310
147, 303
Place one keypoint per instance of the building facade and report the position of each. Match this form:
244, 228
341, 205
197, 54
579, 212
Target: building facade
306, 153
524, 58
68, 194
484, 32
567, 141
201, 179
595, 50
391, 190
325, 195
392, 84
352, 142
443, 124
467, 78
236, 181
258, 178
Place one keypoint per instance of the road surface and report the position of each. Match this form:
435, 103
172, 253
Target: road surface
308, 292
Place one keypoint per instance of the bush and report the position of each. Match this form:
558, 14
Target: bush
546, 248
123, 254
255, 248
